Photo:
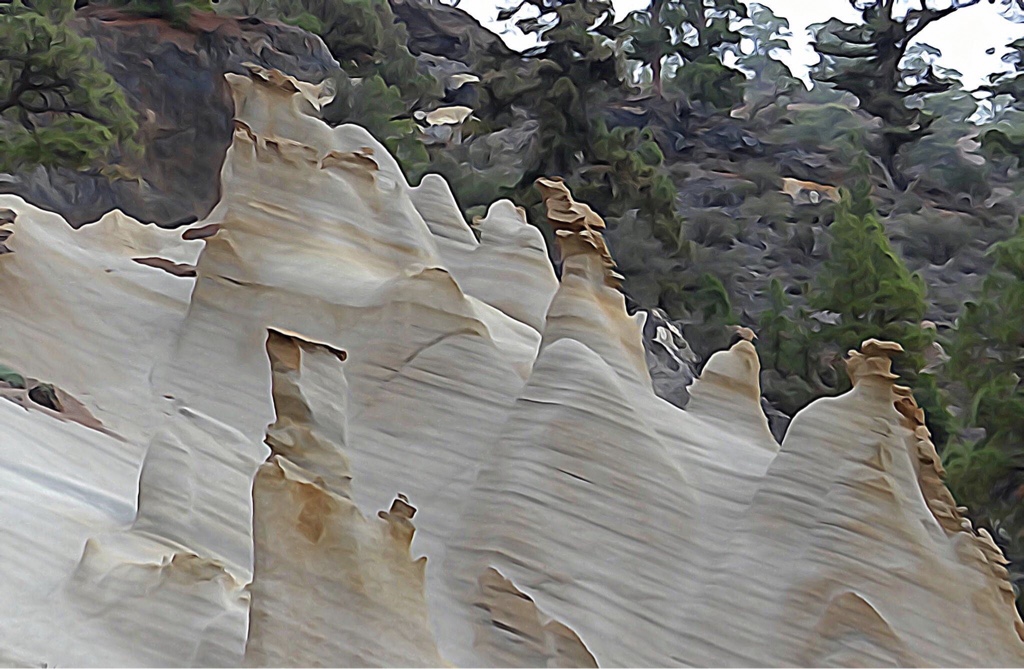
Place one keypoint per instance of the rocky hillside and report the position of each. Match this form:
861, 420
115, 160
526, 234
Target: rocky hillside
331, 424
174, 80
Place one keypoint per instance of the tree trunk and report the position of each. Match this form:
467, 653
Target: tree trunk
890, 149
656, 76
656, 8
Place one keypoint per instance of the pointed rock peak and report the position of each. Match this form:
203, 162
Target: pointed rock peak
275, 111
501, 215
729, 387
577, 227
874, 360
738, 368
589, 307
436, 203
736, 371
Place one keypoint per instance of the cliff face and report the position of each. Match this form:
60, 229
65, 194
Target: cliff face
174, 80
244, 398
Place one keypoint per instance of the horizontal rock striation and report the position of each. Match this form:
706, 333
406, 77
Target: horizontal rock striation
331, 341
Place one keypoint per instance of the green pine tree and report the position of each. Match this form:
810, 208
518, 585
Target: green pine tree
868, 286
867, 283
58, 106
688, 36
987, 361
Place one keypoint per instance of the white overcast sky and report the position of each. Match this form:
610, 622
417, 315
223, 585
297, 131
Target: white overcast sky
962, 37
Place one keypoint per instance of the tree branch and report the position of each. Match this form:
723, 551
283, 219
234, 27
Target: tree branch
920, 19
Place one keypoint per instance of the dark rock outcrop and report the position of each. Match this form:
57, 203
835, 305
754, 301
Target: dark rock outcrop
671, 361
439, 29
174, 79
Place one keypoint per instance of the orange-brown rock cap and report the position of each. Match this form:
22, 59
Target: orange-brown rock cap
578, 228
873, 360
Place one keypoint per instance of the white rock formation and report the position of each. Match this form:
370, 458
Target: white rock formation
239, 401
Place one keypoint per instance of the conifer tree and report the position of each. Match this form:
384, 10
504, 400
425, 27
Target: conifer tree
567, 85
1011, 83
867, 283
867, 60
868, 286
574, 76
782, 338
58, 106
688, 35
986, 469
766, 33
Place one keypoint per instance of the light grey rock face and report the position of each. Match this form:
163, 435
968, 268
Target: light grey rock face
358, 433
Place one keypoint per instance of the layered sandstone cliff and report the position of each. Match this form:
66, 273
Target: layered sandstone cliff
332, 424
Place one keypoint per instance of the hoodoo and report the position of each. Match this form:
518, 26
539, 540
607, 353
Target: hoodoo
333, 424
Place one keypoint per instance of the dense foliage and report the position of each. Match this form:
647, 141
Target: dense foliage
688, 36
987, 365
867, 59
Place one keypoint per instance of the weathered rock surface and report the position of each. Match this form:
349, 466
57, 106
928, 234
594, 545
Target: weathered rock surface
372, 608
346, 344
